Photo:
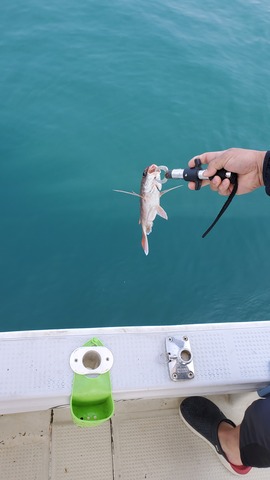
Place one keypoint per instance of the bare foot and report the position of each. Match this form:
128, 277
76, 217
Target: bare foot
229, 441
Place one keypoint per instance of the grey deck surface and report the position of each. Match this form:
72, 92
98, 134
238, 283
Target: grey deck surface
145, 439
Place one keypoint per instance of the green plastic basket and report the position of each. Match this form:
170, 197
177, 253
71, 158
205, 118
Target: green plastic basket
91, 401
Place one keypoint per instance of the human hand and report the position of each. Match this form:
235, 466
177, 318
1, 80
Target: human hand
248, 164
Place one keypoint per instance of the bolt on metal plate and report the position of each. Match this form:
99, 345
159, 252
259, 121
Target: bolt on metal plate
180, 359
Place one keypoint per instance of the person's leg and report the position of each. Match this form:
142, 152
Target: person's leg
239, 448
207, 421
255, 434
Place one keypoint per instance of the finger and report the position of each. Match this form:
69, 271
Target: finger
215, 183
191, 185
226, 193
225, 187
204, 158
222, 187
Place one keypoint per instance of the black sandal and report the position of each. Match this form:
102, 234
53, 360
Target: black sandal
203, 418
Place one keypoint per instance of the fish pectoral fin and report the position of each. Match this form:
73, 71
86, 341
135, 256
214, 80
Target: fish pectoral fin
169, 190
128, 193
161, 212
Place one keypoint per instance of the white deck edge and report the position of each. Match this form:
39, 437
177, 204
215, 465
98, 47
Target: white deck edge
133, 329
25, 388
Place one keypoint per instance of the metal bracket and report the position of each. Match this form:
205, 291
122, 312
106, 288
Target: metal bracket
180, 360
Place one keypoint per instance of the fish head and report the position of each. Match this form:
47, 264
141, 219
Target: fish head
150, 179
152, 171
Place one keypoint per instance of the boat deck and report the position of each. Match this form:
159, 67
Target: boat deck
145, 439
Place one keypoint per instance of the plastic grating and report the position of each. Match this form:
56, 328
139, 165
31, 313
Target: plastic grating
24, 446
80, 453
156, 445
146, 440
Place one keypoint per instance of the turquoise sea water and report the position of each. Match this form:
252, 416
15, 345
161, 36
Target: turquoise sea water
90, 94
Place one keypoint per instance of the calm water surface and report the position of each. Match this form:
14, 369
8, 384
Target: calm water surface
92, 93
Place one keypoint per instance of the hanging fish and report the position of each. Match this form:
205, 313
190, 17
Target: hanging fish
150, 193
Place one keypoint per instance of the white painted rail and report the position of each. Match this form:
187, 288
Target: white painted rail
228, 358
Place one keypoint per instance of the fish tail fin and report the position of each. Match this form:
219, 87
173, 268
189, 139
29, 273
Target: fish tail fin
145, 245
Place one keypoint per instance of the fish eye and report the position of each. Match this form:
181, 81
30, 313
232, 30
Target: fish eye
144, 173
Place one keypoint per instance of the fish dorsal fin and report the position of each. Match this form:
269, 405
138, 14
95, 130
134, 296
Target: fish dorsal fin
169, 190
161, 212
